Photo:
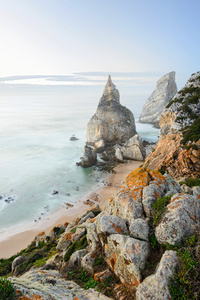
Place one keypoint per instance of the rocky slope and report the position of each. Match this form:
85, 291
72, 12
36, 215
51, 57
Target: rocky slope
164, 91
178, 148
119, 241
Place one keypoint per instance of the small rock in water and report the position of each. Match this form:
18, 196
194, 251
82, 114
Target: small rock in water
55, 192
68, 204
73, 138
68, 195
77, 188
1, 197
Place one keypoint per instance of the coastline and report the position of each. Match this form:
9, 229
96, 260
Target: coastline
18, 241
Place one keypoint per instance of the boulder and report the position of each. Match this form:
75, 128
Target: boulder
133, 149
126, 257
89, 157
110, 224
155, 287
150, 194
139, 229
112, 123
48, 285
68, 238
88, 260
76, 257
119, 155
127, 202
165, 89
16, 262
181, 219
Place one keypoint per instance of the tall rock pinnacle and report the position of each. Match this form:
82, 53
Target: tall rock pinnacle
164, 91
112, 123
110, 92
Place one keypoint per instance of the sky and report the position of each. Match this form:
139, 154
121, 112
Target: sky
48, 37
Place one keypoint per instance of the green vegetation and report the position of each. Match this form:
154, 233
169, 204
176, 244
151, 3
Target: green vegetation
33, 256
78, 245
7, 291
162, 170
191, 133
158, 209
98, 261
191, 182
73, 230
186, 281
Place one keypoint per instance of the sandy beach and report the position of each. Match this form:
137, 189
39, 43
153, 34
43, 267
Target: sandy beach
18, 241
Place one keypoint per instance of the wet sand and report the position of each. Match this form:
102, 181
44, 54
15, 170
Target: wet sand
18, 241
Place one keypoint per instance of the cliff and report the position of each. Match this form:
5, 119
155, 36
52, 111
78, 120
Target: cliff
164, 91
178, 149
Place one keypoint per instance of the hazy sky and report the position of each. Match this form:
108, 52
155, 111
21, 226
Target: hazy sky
65, 36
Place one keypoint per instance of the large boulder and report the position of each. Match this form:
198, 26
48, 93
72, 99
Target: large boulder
126, 257
155, 287
181, 219
48, 285
89, 157
112, 123
133, 149
165, 89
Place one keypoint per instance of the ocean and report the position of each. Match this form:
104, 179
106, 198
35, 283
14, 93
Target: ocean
38, 115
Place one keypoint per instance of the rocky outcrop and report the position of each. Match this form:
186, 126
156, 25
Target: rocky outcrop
178, 149
156, 285
180, 220
48, 285
112, 123
120, 237
89, 157
132, 149
164, 91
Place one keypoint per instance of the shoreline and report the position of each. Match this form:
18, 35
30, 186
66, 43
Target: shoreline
18, 241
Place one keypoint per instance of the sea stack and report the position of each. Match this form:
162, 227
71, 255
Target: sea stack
112, 123
164, 91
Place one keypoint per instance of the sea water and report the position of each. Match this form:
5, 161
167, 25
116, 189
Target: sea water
37, 156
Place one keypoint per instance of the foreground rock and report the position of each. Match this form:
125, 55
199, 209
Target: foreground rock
178, 149
165, 89
156, 286
116, 241
112, 123
48, 285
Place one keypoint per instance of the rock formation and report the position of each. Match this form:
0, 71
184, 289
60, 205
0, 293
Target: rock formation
112, 123
164, 91
178, 149
121, 234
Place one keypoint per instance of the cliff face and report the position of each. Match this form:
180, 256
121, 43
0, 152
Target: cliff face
178, 148
112, 123
165, 89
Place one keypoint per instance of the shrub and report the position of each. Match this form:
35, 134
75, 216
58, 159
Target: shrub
78, 245
191, 133
186, 281
191, 182
158, 209
7, 291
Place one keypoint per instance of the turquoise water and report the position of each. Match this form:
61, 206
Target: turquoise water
36, 154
